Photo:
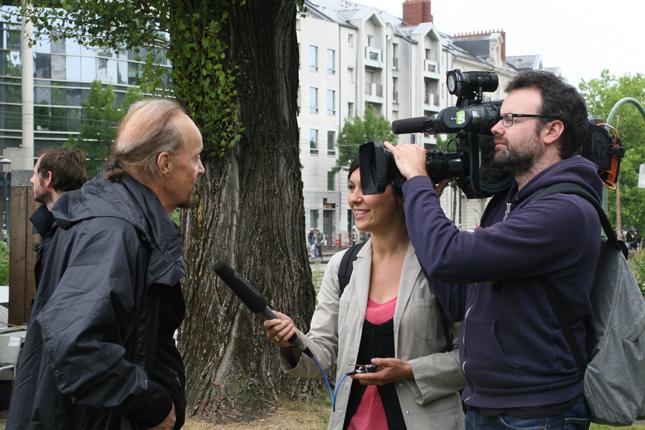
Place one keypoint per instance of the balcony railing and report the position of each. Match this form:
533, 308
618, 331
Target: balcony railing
373, 89
430, 66
430, 99
373, 57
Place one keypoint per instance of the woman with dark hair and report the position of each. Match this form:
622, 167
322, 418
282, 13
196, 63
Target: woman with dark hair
386, 316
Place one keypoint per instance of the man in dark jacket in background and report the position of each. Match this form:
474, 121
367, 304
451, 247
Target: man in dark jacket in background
99, 352
519, 369
57, 170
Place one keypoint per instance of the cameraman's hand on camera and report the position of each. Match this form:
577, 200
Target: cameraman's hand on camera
390, 370
409, 158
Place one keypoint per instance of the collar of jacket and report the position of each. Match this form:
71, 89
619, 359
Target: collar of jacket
43, 221
129, 200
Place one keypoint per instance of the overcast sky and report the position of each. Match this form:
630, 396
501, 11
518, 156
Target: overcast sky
582, 37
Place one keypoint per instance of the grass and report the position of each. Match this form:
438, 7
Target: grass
311, 415
289, 415
604, 427
317, 272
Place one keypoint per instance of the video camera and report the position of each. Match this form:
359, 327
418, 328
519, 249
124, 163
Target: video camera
472, 164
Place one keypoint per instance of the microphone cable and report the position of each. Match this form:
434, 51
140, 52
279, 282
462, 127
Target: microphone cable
332, 393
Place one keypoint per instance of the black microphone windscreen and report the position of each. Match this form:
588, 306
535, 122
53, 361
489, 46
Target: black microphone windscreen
411, 125
242, 288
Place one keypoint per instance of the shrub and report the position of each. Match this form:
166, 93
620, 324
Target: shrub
637, 264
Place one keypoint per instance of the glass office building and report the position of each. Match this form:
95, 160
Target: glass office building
63, 74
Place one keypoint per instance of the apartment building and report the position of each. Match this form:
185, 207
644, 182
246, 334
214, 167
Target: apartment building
397, 67
352, 57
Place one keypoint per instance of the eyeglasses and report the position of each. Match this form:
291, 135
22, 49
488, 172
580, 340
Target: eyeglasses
509, 118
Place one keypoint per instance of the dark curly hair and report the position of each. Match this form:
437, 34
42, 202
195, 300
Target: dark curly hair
560, 100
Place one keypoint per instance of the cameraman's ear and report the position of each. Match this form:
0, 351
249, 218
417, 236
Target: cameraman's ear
552, 131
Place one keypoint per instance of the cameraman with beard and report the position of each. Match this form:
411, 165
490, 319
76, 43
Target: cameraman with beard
518, 366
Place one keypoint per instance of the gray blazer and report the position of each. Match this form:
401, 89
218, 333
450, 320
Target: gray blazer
430, 400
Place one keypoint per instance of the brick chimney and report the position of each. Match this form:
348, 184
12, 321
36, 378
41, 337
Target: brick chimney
416, 11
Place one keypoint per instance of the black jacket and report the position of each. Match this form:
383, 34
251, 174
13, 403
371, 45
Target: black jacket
99, 352
43, 222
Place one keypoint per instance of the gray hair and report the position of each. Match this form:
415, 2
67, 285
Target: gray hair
147, 130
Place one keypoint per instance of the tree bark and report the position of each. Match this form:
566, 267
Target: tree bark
249, 213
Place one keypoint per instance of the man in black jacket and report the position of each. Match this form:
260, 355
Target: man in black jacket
99, 352
57, 170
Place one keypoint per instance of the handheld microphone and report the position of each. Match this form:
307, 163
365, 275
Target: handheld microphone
252, 298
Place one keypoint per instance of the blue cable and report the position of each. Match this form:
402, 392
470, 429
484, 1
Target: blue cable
332, 394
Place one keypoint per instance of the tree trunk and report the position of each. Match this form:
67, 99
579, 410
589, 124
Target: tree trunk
249, 213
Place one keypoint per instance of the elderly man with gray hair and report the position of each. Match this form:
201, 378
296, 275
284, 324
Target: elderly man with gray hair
99, 352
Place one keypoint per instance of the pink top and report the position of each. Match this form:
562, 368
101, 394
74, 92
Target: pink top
370, 413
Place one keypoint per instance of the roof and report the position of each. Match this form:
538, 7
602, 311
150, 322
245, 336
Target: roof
525, 62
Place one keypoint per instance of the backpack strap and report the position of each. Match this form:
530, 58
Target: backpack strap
347, 266
551, 293
572, 188
345, 273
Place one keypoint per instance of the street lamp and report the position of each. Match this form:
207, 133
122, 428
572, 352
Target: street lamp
5, 191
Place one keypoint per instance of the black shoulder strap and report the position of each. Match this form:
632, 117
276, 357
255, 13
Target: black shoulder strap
572, 188
552, 295
347, 266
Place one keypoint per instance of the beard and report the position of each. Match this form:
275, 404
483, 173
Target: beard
515, 162
189, 202
43, 197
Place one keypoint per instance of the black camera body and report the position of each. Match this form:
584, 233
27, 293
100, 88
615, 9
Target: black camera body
472, 164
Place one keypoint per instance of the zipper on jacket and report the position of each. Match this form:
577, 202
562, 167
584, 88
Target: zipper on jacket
509, 207
463, 344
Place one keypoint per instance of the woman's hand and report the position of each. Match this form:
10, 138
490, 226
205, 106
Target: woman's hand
280, 330
390, 370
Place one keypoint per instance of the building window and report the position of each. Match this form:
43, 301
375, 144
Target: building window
395, 90
313, 141
395, 56
350, 39
428, 53
331, 62
313, 58
350, 73
314, 215
331, 180
370, 40
331, 102
313, 100
350, 110
331, 137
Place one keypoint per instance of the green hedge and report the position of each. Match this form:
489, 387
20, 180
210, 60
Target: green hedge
4, 262
637, 263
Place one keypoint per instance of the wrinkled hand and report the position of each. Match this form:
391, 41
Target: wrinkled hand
390, 370
280, 330
409, 158
168, 423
